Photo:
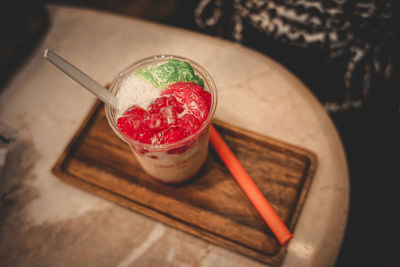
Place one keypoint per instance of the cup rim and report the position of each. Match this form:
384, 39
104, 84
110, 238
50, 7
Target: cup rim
208, 81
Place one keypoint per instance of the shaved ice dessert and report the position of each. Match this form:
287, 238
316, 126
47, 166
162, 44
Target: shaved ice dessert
167, 105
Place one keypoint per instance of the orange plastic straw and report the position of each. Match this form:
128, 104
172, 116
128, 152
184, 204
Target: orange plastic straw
251, 190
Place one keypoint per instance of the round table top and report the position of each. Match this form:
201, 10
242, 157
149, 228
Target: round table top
53, 223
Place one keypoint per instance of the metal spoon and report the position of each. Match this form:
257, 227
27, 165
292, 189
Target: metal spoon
94, 87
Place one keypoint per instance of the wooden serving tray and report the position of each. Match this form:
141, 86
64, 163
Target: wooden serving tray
210, 206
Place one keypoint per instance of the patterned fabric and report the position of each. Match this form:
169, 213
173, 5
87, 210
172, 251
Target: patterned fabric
358, 34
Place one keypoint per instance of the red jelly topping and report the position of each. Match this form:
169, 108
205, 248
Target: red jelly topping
178, 113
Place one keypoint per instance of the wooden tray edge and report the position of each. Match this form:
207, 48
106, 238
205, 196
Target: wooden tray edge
274, 260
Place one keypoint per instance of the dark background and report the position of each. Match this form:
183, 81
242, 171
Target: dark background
370, 134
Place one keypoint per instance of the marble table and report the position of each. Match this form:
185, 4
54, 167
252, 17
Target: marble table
46, 222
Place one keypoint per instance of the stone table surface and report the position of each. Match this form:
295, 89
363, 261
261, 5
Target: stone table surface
45, 222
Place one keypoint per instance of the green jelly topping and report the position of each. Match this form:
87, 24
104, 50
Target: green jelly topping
161, 76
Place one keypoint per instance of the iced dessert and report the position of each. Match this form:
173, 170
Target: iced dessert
167, 105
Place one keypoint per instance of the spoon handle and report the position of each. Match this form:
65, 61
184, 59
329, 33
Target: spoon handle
74, 73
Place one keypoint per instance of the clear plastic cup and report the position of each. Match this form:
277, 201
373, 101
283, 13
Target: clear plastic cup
175, 162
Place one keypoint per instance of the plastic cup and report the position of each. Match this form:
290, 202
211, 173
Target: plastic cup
175, 162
